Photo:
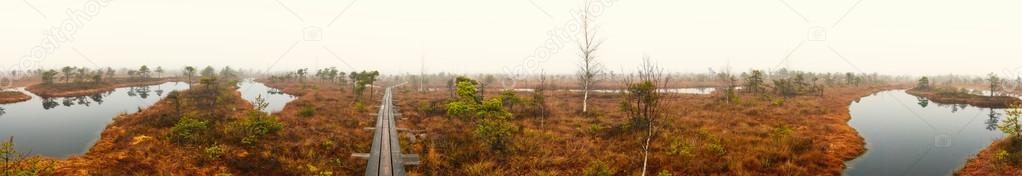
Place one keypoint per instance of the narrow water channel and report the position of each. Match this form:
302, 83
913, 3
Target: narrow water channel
909, 135
61, 127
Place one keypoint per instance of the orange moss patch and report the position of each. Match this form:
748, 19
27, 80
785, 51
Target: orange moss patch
13, 97
326, 139
986, 163
139, 144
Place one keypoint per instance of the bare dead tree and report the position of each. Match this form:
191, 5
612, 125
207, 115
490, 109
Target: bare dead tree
590, 70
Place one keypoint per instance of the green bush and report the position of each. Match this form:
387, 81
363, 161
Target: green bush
361, 107
681, 148
187, 130
256, 126
716, 149
460, 109
307, 111
598, 168
496, 133
778, 102
214, 152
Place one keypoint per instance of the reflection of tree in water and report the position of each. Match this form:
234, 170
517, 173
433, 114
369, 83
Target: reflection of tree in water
50, 103
923, 102
83, 100
2, 111
139, 91
994, 117
958, 107
275, 92
954, 107
159, 90
68, 102
98, 98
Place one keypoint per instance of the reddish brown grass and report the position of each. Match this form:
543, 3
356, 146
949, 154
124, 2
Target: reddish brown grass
701, 136
986, 163
818, 143
13, 97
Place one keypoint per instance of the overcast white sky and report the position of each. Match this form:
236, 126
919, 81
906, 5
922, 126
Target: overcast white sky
471, 36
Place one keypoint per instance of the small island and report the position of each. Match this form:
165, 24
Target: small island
71, 81
950, 95
13, 97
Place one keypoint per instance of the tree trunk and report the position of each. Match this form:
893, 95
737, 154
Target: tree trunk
585, 101
645, 151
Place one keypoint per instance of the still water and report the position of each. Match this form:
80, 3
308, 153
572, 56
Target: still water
277, 99
909, 135
61, 127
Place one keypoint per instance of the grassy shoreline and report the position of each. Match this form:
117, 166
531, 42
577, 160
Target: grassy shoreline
986, 162
950, 97
83, 89
7, 97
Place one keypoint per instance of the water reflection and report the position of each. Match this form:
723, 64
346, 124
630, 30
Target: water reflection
143, 92
992, 119
903, 139
65, 126
276, 98
923, 102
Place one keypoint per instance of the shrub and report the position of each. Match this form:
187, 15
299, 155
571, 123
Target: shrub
1002, 155
307, 111
214, 152
492, 109
596, 128
598, 168
16, 163
256, 126
431, 107
317, 171
496, 133
187, 130
778, 102
460, 109
681, 148
361, 107
716, 149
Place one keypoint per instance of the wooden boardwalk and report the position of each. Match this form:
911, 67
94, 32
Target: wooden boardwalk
386, 159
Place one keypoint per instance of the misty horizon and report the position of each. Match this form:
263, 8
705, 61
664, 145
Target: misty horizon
405, 37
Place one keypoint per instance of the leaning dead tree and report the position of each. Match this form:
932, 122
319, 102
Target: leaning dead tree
645, 102
590, 70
